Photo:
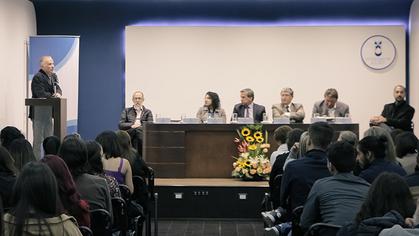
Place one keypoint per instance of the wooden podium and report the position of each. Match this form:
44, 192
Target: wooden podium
59, 112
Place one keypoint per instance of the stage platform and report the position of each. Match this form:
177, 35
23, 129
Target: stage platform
209, 198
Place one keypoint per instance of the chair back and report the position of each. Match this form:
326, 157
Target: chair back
100, 222
86, 231
295, 219
323, 229
120, 214
125, 193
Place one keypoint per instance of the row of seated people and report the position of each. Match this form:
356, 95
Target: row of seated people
336, 199
72, 179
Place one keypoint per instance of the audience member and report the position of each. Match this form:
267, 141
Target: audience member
413, 180
406, 144
280, 136
372, 158
95, 167
133, 120
92, 188
22, 152
336, 199
211, 109
51, 145
330, 106
388, 203
396, 115
348, 136
8, 134
138, 166
247, 108
301, 174
287, 108
113, 164
7, 176
36, 203
390, 147
69, 196
299, 149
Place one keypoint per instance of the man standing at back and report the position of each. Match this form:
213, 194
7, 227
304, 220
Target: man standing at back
247, 109
330, 106
44, 85
396, 115
301, 174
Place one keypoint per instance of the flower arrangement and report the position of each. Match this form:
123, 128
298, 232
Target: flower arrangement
252, 145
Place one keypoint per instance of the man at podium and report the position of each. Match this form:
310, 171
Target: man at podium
44, 85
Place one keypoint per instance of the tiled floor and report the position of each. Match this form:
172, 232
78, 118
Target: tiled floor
209, 227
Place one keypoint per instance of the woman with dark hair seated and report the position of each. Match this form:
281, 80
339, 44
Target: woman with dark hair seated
406, 150
8, 134
22, 152
138, 166
69, 196
36, 203
372, 158
95, 167
212, 108
92, 188
389, 202
7, 176
51, 145
113, 164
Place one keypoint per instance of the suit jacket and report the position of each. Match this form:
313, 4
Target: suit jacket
43, 87
129, 115
399, 116
203, 112
258, 111
320, 107
296, 111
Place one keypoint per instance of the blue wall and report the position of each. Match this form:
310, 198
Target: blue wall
101, 27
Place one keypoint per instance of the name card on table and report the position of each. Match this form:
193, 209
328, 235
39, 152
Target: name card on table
281, 120
343, 120
319, 119
162, 120
191, 121
245, 120
215, 120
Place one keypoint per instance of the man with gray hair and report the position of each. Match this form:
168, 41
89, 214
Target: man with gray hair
287, 108
396, 115
330, 106
44, 85
246, 108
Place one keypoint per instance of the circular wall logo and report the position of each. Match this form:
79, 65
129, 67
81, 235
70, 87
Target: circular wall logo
378, 52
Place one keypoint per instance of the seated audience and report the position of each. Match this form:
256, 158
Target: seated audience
413, 180
95, 167
138, 166
212, 108
133, 120
247, 108
348, 136
69, 196
287, 108
336, 199
8, 134
390, 147
51, 145
406, 144
36, 203
8, 174
113, 164
330, 106
372, 158
388, 203
22, 152
92, 188
277, 169
300, 175
299, 149
396, 115
280, 136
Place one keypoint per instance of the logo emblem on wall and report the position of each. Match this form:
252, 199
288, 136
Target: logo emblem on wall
378, 52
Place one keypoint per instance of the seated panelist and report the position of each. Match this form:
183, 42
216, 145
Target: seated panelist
212, 108
330, 106
287, 108
247, 108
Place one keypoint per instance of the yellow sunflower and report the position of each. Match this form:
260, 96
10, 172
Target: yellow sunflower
258, 134
259, 140
252, 147
250, 139
246, 132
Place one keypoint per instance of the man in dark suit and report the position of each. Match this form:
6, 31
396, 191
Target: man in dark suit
246, 107
133, 119
44, 85
396, 115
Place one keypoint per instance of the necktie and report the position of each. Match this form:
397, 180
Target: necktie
246, 111
287, 108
